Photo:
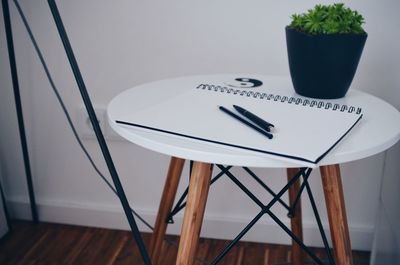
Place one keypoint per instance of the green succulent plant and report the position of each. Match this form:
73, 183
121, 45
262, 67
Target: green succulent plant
329, 19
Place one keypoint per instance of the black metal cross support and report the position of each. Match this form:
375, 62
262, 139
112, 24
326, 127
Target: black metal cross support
181, 201
268, 189
292, 211
266, 209
98, 132
18, 106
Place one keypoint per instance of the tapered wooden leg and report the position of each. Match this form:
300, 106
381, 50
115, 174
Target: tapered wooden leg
296, 220
166, 203
194, 212
334, 199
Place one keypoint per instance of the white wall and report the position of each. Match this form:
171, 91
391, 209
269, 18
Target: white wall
119, 44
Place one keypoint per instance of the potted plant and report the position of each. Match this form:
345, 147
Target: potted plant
324, 48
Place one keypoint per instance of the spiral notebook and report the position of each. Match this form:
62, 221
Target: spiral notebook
305, 129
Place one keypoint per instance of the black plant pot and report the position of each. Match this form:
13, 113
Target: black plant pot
323, 66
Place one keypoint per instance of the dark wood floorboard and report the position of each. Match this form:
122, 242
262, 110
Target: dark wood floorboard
46, 243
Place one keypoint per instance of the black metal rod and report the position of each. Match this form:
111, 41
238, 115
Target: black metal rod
294, 237
190, 168
268, 189
98, 132
243, 188
237, 238
296, 200
220, 174
6, 213
178, 207
287, 186
180, 204
320, 227
18, 106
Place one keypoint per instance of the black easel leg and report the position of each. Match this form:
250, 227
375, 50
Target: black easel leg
18, 106
99, 134
5, 208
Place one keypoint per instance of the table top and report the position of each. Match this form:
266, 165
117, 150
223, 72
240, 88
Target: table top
378, 130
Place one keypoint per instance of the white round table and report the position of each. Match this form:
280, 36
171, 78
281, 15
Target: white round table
378, 130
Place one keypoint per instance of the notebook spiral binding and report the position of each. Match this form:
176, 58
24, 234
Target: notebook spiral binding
288, 99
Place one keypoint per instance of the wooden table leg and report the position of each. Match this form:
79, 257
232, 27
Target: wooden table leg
166, 203
334, 199
296, 220
194, 212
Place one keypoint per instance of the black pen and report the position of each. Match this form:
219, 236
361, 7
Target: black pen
246, 122
254, 118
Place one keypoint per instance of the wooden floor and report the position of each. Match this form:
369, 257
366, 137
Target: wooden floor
64, 244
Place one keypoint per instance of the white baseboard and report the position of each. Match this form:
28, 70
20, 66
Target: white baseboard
112, 217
